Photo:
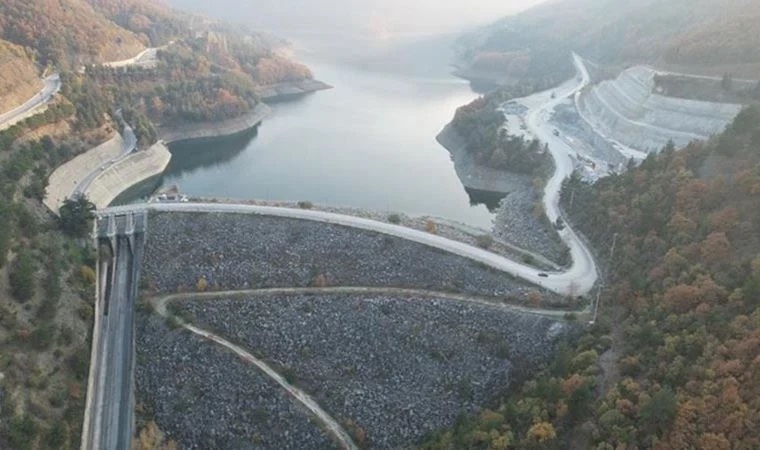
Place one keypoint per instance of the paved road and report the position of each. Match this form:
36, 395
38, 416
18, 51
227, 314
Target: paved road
108, 421
147, 57
578, 280
332, 425
582, 274
52, 86
130, 143
112, 414
699, 77
625, 150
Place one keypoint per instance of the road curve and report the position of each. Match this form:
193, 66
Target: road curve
577, 280
332, 425
130, 144
582, 274
14, 116
574, 281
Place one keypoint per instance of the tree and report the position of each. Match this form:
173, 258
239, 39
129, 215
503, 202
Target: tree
659, 412
21, 276
542, 432
76, 215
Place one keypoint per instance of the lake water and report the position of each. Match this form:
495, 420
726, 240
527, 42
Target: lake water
368, 143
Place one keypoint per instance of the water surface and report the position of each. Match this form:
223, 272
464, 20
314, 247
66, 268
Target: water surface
369, 143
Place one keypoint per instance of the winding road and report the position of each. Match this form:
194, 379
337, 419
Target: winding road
332, 425
577, 280
14, 116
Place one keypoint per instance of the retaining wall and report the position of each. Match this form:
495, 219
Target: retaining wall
67, 177
133, 169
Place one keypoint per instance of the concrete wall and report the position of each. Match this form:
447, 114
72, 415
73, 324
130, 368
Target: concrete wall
67, 177
627, 110
135, 168
215, 129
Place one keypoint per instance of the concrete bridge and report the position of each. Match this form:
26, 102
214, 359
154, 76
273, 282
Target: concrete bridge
109, 413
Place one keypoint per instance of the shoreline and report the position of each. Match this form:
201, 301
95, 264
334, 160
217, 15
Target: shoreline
472, 175
515, 220
212, 130
151, 163
291, 89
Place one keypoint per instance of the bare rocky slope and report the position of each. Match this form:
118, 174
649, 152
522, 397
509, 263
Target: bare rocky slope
628, 110
394, 368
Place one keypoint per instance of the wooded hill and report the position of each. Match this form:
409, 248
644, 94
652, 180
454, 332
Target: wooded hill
673, 361
67, 33
694, 35
47, 276
19, 79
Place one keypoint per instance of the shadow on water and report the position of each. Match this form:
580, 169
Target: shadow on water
189, 156
490, 199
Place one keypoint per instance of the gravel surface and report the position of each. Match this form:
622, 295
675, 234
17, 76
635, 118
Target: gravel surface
447, 228
584, 139
516, 222
205, 397
399, 368
234, 251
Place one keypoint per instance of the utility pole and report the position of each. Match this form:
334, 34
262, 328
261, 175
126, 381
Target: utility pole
572, 197
612, 250
599, 291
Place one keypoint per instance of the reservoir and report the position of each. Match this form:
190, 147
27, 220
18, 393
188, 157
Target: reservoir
367, 143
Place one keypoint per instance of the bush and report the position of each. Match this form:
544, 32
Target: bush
42, 337
484, 241
201, 285
76, 216
21, 432
305, 205
431, 227
87, 275
21, 276
394, 218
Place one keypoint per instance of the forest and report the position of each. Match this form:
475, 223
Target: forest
46, 264
481, 125
703, 35
673, 360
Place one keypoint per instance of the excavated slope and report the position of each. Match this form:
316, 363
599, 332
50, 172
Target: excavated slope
627, 110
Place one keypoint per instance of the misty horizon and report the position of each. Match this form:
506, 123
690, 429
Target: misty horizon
371, 17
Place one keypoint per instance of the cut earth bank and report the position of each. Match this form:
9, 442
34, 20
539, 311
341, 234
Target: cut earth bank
391, 367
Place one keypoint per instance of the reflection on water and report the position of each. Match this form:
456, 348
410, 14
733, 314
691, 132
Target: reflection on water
490, 199
368, 143
189, 156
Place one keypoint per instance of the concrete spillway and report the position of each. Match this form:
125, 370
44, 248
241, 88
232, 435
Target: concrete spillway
628, 110
65, 179
135, 168
109, 411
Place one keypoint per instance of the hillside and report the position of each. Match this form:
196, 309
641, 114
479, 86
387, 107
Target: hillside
67, 33
703, 36
19, 77
209, 72
672, 360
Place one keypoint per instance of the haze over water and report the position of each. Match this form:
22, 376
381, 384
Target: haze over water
368, 143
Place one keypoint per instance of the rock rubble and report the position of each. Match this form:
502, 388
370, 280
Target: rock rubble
399, 368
